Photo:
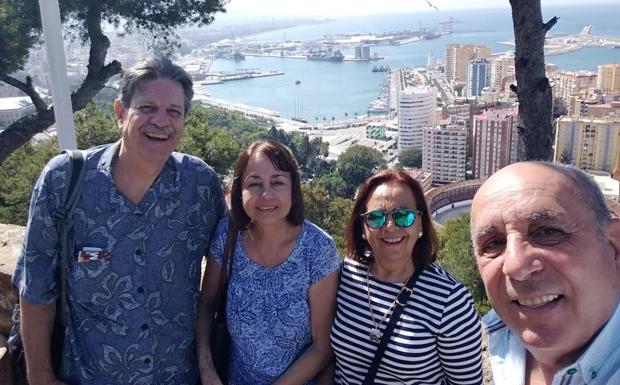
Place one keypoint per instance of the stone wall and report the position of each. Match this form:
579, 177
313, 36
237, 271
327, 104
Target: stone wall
11, 237
10, 246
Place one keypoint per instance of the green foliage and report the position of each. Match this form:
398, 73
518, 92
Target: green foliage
95, 126
19, 173
410, 157
329, 213
17, 33
356, 164
20, 22
566, 157
456, 255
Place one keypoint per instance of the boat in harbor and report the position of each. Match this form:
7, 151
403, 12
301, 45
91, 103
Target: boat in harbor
329, 55
380, 68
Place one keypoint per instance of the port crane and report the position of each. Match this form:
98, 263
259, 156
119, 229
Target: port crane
447, 26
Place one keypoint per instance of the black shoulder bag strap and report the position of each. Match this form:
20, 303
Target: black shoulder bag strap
225, 270
405, 293
64, 220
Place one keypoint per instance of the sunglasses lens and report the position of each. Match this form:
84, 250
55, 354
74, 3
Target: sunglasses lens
403, 217
376, 219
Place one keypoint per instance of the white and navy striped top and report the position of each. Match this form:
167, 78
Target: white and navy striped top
436, 341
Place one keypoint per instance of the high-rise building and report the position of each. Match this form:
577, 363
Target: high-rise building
588, 143
609, 77
416, 111
502, 71
478, 71
445, 152
457, 57
495, 141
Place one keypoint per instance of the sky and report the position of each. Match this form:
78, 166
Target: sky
334, 8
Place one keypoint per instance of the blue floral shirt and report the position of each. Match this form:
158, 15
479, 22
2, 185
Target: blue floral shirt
268, 314
132, 314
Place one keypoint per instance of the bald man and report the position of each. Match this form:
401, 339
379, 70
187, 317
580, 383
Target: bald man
548, 252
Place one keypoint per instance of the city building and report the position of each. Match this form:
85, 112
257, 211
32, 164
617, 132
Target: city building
445, 152
478, 72
8, 91
423, 177
502, 71
566, 84
587, 142
495, 141
416, 111
457, 57
605, 110
376, 130
13, 109
609, 77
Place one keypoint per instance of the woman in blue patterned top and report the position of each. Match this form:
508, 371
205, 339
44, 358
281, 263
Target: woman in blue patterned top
283, 282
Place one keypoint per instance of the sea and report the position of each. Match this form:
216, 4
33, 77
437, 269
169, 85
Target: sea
316, 90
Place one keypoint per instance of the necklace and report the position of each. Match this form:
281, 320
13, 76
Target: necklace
375, 334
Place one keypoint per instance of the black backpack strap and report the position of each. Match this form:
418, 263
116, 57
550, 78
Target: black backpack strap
64, 220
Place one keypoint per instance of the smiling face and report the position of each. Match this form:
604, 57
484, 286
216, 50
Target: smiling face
266, 191
392, 242
549, 273
153, 124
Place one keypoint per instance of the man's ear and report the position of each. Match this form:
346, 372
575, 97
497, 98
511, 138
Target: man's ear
614, 239
120, 112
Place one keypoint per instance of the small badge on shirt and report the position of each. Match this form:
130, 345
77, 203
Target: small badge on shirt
88, 254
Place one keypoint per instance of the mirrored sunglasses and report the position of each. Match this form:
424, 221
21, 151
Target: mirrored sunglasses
402, 217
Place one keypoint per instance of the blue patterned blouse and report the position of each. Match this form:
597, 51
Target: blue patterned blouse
133, 313
268, 314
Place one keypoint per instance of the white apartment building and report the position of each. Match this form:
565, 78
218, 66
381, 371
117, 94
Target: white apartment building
15, 108
495, 141
445, 153
591, 143
416, 111
568, 84
502, 71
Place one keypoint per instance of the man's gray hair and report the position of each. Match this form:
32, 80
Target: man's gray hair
592, 194
151, 69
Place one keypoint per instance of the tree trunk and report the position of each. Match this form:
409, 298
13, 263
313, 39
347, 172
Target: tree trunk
533, 89
98, 74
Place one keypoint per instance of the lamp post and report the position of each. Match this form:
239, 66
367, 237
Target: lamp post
63, 110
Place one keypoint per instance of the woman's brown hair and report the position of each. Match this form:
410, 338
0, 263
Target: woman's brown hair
282, 159
425, 250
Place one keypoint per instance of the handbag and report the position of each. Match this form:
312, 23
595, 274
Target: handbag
220, 338
64, 223
401, 302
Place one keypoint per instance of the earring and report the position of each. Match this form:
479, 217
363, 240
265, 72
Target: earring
420, 234
363, 236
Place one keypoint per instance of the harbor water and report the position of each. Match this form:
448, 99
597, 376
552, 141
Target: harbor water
321, 90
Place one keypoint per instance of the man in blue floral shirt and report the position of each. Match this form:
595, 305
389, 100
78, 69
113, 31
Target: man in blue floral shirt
141, 228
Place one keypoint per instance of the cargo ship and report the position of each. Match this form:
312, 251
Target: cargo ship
329, 55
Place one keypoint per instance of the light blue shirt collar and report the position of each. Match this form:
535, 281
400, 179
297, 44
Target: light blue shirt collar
598, 365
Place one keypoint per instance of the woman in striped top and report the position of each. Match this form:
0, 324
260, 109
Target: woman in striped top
437, 338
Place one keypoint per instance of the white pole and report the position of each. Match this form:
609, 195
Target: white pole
61, 96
